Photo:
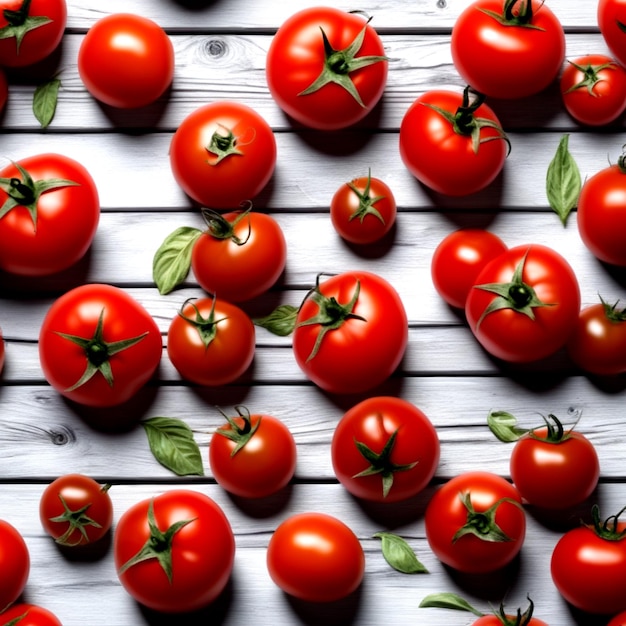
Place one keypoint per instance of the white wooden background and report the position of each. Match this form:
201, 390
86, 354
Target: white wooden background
220, 53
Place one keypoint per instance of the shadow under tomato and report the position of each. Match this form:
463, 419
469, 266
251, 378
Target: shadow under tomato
89, 553
393, 386
225, 396
40, 72
266, 507
340, 612
375, 250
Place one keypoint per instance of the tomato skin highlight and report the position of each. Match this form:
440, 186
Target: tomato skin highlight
618, 620
29, 615
14, 564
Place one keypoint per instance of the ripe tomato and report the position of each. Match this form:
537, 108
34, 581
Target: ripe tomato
326, 68
223, 154
475, 522
4, 90
315, 557
459, 258
611, 20
49, 214
253, 456
14, 564
601, 213
211, 342
451, 145
175, 552
588, 565
75, 510
98, 346
30, 30
126, 61
385, 449
524, 304
363, 210
240, 256
618, 620
508, 48
593, 89
351, 332
28, 615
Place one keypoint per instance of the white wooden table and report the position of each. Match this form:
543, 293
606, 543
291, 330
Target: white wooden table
220, 53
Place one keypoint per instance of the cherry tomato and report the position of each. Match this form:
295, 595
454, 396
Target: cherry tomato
211, 342
588, 565
593, 89
4, 90
475, 522
98, 346
326, 68
223, 154
240, 256
30, 31
459, 258
174, 553
508, 48
126, 61
49, 214
28, 615
253, 456
454, 146
385, 449
618, 620
611, 19
524, 304
315, 557
351, 332
363, 210
75, 510
14, 564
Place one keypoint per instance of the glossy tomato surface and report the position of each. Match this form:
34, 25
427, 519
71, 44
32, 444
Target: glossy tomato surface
494, 620
126, 61
315, 557
14, 564
611, 16
28, 615
618, 620
56, 216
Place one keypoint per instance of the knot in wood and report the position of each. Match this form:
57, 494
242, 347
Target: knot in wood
61, 435
216, 48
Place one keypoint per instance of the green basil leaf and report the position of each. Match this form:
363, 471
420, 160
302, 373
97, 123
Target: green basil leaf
448, 601
45, 101
504, 426
399, 554
563, 182
173, 445
172, 260
281, 321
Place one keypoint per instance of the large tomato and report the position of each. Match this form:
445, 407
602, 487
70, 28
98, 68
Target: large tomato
49, 214
30, 30
454, 146
326, 68
14, 564
211, 342
174, 553
475, 522
612, 23
385, 449
588, 565
351, 332
223, 154
524, 304
126, 60
315, 557
28, 615
98, 346
508, 48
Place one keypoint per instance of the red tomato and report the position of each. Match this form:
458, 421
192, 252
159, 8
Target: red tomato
618, 620
525, 304
4, 90
174, 553
315, 557
601, 213
351, 332
611, 20
451, 145
496, 620
75, 510
363, 210
588, 566
240, 256
326, 68
459, 258
31, 31
385, 449
593, 89
98, 346
49, 214
475, 522
508, 48
253, 456
223, 154
126, 61
211, 342
14, 564
28, 615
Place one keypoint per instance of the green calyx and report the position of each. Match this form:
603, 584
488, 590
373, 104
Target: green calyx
613, 313
339, 64
206, 326
482, 524
223, 145
607, 529
520, 619
25, 192
366, 202
590, 76
20, 22
241, 429
513, 15
98, 352
220, 228
621, 160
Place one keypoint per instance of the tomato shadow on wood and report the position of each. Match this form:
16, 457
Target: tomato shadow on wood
89, 553
375, 250
266, 507
340, 612
37, 73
